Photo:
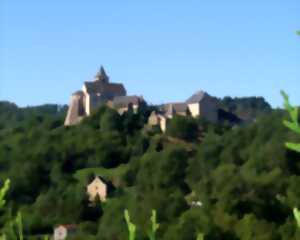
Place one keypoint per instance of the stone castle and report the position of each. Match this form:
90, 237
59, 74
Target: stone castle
96, 93
101, 91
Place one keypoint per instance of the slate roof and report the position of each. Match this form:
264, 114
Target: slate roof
124, 101
175, 107
78, 93
197, 97
101, 75
102, 87
101, 84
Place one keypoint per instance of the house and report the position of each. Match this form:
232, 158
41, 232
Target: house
93, 94
172, 109
203, 105
61, 232
101, 90
157, 119
199, 104
127, 103
97, 188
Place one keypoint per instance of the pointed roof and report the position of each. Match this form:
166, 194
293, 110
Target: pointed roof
101, 75
125, 101
197, 97
172, 108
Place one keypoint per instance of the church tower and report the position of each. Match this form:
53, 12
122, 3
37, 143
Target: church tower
102, 76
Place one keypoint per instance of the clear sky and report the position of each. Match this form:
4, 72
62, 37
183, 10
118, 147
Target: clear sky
162, 49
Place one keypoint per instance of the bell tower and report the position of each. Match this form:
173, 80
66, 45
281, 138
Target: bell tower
102, 76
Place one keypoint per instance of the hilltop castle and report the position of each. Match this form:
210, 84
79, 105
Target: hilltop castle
102, 91
96, 93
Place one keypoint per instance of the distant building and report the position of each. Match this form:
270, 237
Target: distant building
102, 92
157, 119
61, 232
92, 95
97, 188
203, 105
199, 104
172, 109
127, 103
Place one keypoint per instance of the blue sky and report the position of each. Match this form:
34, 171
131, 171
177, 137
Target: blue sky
163, 50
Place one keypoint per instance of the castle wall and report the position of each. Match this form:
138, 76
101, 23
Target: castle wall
76, 111
208, 109
194, 109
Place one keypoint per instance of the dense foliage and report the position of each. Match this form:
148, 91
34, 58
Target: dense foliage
247, 108
245, 179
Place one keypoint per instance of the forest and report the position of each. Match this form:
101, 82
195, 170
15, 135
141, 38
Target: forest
239, 170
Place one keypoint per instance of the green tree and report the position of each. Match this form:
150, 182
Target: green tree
185, 128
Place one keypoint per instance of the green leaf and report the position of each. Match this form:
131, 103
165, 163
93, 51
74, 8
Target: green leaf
130, 225
286, 100
292, 126
3, 192
293, 146
200, 236
20, 225
297, 216
3, 237
293, 111
154, 226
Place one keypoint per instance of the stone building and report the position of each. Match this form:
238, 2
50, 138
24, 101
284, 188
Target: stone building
97, 188
199, 104
172, 109
157, 119
203, 105
98, 92
128, 103
61, 232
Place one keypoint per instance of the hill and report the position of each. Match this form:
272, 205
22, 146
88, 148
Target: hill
246, 108
245, 178
11, 115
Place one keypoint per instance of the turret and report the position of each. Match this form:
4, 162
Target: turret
101, 75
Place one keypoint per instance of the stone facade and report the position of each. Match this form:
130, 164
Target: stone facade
128, 103
199, 104
156, 119
203, 105
97, 188
61, 232
96, 93
76, 111
101, 91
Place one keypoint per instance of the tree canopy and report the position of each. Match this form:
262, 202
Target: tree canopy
245, 179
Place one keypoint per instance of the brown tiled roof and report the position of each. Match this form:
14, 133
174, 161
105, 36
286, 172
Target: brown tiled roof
78, 93
124, 101
101, 75
115, 88
177, 107
197, 97
101, 87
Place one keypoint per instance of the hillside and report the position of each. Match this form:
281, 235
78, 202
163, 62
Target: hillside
247, 108
11, 115
245, 178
